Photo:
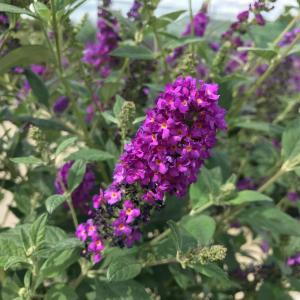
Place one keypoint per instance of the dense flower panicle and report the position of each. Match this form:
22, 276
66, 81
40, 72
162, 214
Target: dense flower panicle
61, 104
163, 158
134, 12
97, 53
81, 196
289, 37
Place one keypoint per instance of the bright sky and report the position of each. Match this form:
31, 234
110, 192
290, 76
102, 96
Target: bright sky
221, 9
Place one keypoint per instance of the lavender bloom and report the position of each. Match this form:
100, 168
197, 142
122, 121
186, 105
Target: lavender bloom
134, 10
4, 21
82, 194
260, 19
61, 104
265, 247
198, 24
293, 196
97, 54
289, 37
163, 158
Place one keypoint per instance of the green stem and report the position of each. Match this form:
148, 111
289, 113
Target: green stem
72, 210
168, 231
269, 182
161, 262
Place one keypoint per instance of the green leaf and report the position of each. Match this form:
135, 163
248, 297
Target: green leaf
272, 220
139, 120
270, 129
76, 174
133, 52
14, 260
24, 56
202, 228
27, 160
125, 290
38, 230
38, 87
291, 145
118, 105
207, 187
212, 270
247, 196
185, 41
89, 154
15, 9
108, 90
42, 11
65, 144
260, 52
58, 262
173, 15
53, 202
109, 118
182, 239
123, 268
61, 292
176, 236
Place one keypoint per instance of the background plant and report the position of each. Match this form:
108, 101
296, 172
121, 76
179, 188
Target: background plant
73, 96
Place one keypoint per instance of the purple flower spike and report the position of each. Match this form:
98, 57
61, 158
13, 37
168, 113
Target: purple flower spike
163, 158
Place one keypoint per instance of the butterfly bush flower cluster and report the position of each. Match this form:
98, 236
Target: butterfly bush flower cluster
239, 28
163, 158
97, 53
81, 196
134, 12
196, 27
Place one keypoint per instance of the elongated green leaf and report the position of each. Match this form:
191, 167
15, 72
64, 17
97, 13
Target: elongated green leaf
65, 144
53, 202
61, 292
14, 260
27, 160
58, 262
38, 87
88, 154
270, 129
38, 230
24, 56
184, 41
291, 144
125, 290
260, 52
271, 219
8, 8
202, 228
118, 105
76, 174
247, 196
133, 52
123, 268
